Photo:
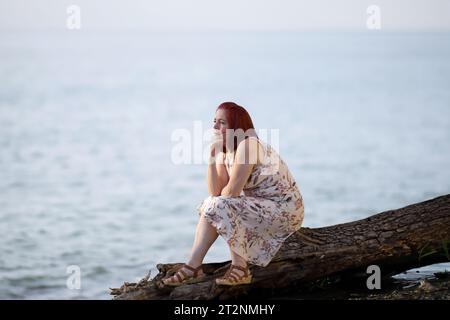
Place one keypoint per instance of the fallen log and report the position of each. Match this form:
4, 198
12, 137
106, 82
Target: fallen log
395, 240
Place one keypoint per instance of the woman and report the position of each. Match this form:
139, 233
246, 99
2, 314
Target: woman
255, 223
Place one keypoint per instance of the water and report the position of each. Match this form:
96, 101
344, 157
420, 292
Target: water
86, 120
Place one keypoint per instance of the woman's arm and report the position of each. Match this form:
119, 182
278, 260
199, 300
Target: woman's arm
242, 168
217, 175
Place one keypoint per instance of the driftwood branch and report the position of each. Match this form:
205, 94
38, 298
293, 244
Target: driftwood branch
395, 240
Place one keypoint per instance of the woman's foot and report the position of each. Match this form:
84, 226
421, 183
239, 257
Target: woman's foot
236, 275
185, 274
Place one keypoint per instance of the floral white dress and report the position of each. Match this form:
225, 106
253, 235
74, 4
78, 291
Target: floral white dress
256, 223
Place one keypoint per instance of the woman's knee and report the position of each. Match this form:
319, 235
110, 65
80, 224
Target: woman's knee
213, 203
222, 198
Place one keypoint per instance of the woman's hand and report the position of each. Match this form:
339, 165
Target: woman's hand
217, 143
217, 172
242, 169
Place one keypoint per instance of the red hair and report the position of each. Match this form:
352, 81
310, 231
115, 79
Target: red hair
238, 118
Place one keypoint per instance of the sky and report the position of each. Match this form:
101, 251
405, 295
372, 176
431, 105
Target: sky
213, 15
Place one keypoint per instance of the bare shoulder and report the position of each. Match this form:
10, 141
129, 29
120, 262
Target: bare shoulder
250, 151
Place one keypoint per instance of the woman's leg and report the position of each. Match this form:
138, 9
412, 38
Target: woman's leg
237, 259
236, 274
205, 235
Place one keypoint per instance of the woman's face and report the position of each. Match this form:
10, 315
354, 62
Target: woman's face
220, 122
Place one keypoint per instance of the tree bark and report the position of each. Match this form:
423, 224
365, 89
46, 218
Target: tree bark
395, 240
